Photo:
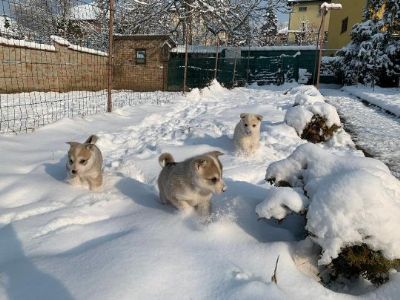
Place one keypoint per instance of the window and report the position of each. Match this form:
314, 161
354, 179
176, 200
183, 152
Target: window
140, 56
303, 8
345, 23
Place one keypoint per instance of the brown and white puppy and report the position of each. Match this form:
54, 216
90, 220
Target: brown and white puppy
247, 133
192, 182
85, 162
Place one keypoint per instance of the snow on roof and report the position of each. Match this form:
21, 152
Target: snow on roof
328, 6
64, 42
283, 30
84, 12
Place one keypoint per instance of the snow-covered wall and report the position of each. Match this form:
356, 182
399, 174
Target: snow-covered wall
30, 66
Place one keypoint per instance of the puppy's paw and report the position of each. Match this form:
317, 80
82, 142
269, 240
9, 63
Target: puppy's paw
96, 188
73, 180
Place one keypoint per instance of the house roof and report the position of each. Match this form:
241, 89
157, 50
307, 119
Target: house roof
84, 12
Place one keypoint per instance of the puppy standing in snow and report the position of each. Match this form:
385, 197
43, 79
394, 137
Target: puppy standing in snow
192, 182
247, 133
85, 163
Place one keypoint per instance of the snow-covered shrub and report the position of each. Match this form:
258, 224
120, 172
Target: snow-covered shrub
357, 260
313, 119
352, 201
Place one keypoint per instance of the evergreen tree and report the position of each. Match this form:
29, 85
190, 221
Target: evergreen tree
373, 55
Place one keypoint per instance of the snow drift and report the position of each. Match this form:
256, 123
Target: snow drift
353, 200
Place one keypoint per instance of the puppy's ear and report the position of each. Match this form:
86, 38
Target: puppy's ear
72, 144
89, 146
215, 153
243, 115
259, 117
92, 139
200, 163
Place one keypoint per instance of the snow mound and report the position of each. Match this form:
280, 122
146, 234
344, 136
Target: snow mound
298, 117
327, 111
353, 200
303, 99
280, 202
309, 102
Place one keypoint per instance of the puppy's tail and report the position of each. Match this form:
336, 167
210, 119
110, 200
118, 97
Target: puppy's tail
92, 139
165, 159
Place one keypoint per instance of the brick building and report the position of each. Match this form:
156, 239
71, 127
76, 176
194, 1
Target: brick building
141, 62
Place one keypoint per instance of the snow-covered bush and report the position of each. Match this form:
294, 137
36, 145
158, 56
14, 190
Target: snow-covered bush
312, 118
353, 201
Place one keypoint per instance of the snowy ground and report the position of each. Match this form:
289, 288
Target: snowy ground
385, 98
372, 129
63, 242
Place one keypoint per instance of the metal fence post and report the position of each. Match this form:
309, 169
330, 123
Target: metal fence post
110, 56
216, 59
186, 62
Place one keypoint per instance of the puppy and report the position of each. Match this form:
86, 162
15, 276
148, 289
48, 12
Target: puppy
247, 133
192, 182
85, 162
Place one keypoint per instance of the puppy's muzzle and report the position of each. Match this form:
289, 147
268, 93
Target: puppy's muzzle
74, 172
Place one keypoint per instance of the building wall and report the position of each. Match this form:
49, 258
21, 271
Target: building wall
151, 76
353, 10
312, 16
62, 69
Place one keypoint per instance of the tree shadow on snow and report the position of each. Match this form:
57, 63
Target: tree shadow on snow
141, 194
57, 170
241, 200
23, 280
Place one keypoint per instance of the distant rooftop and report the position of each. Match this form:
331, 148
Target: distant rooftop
84, 12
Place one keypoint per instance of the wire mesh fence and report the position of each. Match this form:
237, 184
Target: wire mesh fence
54, 63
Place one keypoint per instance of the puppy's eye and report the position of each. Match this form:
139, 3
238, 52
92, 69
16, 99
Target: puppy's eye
71, 162
214, 180
83, 161
246, 125
254, 125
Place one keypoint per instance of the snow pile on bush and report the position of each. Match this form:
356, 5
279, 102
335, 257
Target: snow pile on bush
281, 202
352, 200
306, 95
312, 118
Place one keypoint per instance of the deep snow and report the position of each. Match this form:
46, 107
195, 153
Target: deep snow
63, 242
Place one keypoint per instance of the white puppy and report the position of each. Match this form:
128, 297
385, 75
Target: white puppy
85, 162
247, 133
192, 182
